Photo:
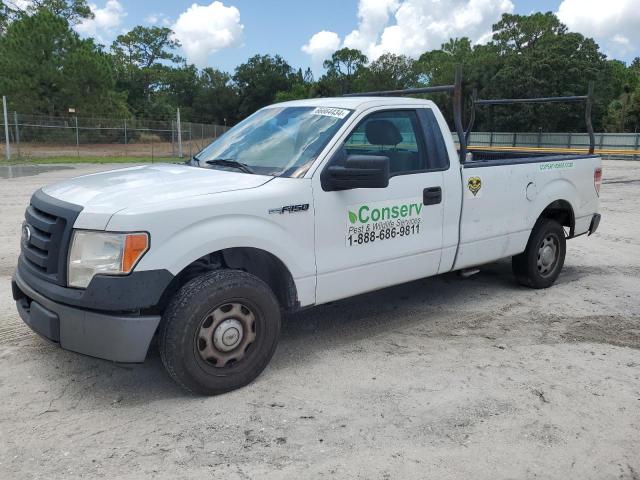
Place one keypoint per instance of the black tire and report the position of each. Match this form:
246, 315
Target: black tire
194, 312
533, 268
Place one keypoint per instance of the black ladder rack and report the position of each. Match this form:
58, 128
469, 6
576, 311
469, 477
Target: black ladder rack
587, 99
456, 91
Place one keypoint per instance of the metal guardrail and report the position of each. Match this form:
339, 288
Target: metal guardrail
623, 145
608, 153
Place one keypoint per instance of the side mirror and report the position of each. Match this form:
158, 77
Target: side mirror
359, 171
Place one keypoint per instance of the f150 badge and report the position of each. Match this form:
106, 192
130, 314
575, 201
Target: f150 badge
290, 209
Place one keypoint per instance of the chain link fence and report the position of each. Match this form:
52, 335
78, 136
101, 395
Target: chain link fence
36, 136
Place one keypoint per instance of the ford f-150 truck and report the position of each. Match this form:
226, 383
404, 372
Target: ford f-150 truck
302, 203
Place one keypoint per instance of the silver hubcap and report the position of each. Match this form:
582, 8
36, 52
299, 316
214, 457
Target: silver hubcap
226, 334
548, 254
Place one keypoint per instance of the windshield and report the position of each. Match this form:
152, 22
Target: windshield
279, 141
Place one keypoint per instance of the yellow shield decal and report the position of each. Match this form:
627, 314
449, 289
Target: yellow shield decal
474, 184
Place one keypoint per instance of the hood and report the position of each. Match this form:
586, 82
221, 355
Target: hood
103, 194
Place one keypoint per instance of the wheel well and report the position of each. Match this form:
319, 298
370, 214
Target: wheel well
561, 212
264, 265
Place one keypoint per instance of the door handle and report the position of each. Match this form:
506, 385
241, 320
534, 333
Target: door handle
432, 195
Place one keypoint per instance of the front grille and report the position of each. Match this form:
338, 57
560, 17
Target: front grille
48, 225
41, 250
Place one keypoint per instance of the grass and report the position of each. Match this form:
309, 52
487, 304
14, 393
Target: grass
87, 159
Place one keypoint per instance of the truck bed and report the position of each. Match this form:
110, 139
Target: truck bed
522, 182
490, 158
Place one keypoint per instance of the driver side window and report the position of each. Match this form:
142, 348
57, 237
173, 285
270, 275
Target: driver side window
394, 134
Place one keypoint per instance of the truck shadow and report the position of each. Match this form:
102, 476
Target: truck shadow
398, 307
420, 303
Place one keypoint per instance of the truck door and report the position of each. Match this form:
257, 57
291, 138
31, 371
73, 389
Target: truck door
369, 238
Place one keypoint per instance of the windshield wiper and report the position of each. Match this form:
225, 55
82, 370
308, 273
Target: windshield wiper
227, 162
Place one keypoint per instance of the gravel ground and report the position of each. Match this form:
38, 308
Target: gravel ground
439, 378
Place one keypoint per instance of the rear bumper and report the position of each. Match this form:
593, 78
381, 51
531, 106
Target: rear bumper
116, 337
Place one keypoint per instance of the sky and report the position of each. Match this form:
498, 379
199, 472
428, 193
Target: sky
225, 33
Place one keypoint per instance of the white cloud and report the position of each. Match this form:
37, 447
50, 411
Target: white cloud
22, 4
322, 45
373, 17
157, 19
205, 29
614, 24
411, 27
106, 20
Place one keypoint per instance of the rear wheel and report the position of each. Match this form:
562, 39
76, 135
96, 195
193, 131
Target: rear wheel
219, 331
540, 264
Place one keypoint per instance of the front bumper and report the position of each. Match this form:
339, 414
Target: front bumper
116, 337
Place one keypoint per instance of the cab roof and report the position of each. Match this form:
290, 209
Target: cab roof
355, 103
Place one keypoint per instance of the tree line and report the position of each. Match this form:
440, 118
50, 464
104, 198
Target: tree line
47, 68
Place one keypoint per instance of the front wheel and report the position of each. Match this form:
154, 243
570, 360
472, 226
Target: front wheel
219, 331
540, 264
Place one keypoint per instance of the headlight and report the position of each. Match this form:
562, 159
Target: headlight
94, 253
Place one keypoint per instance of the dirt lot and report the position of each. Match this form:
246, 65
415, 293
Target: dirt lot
441, 378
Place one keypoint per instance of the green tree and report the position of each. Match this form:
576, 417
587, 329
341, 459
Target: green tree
259, 79
633, 124
530, 56
143, 47
298, 91
179, 88
480, 64
541, 58
308, 76
623, 113
217, 99
303, 86
390, 72
517, 33
143, 57
344, 68
53, 70
46, 68
633, 113
73, 11
345, 62
4, 18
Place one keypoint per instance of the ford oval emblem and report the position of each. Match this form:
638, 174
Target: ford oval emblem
26, 234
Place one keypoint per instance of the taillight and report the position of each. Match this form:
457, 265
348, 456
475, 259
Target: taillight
597, 179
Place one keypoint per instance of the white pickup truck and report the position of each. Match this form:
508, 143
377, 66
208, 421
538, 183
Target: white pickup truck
302, 203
